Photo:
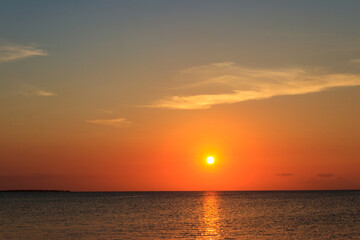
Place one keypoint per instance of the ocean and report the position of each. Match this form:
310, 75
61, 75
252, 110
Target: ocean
188, 215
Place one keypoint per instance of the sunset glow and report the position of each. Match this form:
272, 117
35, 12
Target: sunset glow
136, 95
168, 119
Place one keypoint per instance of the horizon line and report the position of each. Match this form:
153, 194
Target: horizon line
125, 191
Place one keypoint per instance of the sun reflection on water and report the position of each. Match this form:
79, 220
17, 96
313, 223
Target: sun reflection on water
210, 220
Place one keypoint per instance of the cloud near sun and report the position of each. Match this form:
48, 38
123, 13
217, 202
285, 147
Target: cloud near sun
251, 84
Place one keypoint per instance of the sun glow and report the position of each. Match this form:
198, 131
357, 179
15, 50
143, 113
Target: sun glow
210, 160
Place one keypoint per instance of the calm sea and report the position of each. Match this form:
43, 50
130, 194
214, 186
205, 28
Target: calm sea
190, 215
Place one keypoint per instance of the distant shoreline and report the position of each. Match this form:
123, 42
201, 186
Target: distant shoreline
34, 191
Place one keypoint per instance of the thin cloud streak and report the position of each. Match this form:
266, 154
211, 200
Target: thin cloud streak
33, 91
106, 111
222, 80
355, 61
253, 84
12, 52
45, 93
116, 122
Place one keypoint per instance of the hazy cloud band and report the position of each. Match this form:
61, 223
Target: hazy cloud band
252, 84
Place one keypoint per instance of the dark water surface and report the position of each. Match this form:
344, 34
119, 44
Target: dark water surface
168, 215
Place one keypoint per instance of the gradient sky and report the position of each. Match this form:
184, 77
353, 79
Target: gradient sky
134, 95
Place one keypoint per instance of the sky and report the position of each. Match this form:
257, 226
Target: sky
135, 95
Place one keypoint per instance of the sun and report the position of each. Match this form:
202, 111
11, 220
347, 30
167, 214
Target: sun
210, 160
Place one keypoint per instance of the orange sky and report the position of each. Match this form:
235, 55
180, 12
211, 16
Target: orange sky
260, 145
130, 96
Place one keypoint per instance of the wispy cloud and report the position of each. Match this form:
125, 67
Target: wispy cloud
252, 84
221, 80
106, 111
34, 91
45, 93
355, 61
115, 122
12, 52
325, 175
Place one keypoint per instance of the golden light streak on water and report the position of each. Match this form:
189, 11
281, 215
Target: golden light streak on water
210, 221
